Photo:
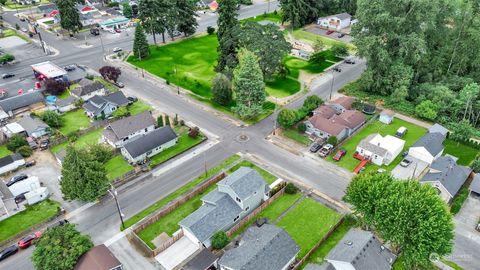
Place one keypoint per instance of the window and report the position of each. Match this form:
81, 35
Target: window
238, 200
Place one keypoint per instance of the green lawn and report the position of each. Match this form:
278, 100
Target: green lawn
458, 200
108, 85
182, 190
269, 178
465, 154
4, 151
116, 167
33, 215
295, 135
74, 121
11, 32
82, 141
303, 35
14, 6
307, 223
265, 17
413, 134
184, 143
138, 107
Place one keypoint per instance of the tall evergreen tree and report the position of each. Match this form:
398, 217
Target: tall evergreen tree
140, 44
248, 85
69, 17
127, 10
222, 89
187, 23
298, 12
148, 12
228, 29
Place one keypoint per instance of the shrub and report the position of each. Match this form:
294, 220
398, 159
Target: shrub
427, 110
302, 127
121, 112
219, 240
476, 165
312, 102
182, 123
52, 119
17, 26
167, 120
210, 30
193, 133
160, 121
332, 140
291, 188
167, 82
90, 77
25, 151
286, 118
113, 4
15, 142
5, 58
175, 120
79, 102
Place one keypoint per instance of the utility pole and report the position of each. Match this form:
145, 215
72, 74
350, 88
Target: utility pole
205, 163
331, 87
274, 113
113, 192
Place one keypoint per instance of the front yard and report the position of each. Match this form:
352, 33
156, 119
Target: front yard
73, 121
4, 151
116, 167
139, 107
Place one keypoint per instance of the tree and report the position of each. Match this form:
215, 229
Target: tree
59, 248
312, 102
219, 240
15, 142
5, 58
83, 177
210, 30
140, 43
121, 112
167, 120
228, 30
332, 140
101, 152
339, 49
3, 2
476, 165
268, 43
248, 86
396, 209
290, 188
461, 131
127, 10
318, 46
427, 110
286, 118
221, 89
55, 87
69, 17
298, 12
150, 13
25, 151
187, 22
52, 119
317, 58
110, 73
160, 121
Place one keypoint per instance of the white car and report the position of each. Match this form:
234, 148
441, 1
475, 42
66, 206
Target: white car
117, 49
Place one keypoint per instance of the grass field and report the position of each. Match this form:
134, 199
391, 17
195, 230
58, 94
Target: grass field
12, 5
265, 17
157, 205
108, 85
308, 222
74, 121
82, 141
465, 154
349, 163
303, 35
33, 215
184, 143
116, 167
10, 32
295, 135
4, 151
138, 107
269, 178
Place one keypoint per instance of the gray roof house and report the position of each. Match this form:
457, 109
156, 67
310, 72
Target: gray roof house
234, 198
149, 144
17, 103
99, 106
475, 185
129, 128
10, 163
428, 147
65, 105
358, 250
265, 247
87, 89
202, 261
438, 128
34, 127
447, 177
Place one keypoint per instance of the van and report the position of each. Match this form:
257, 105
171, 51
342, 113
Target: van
401, 131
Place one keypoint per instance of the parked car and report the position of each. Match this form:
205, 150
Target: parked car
20, 198
27, 241
337, 69
132, 99
94, 31
325, 151
17, 178
7, 75
349, 61
329, 32
9, 251
340, 154
69, 68
117, 49
401, 131
44, 144
24, 30
30, 163
58, 223
405, 162
176, 33
341, 35
315, 147
120, 84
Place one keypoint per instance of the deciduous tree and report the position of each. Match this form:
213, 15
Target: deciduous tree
55, 87
427, 110
15, 142
219, 240
222, 89
69, 17
312, 102
339, 49
110, 73
461, 131
287, 118
127, 10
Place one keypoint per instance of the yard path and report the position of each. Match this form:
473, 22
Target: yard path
289, 209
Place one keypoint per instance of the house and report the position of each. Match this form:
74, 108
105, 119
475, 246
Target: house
34, 127
342, 104
475, 185
129, 128
428, 148
98, 258
10, 163
236, 196
265, 247
102, 107
86, 89
447, 177
325, 123
64, 105
336, 22
114, 23
438, 128
21, 103
380, 150
13, 128
386, 117
358, 250
202, 261
148, 145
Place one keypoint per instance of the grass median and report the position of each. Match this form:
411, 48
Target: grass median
185, 142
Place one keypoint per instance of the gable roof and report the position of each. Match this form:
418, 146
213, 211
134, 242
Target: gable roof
128, 125
379, 145
345, 102
98, 258
363, 250
65, 102
446, 171
475, 185
350, 118
244, 182
342, 16
20, 101
326, 125
201, 261
387, 113
323, 266
31, 124
325, 111
432, 142
438, 128
150, 141
10, 159
86, 87
265, 247
117, 98
98, 103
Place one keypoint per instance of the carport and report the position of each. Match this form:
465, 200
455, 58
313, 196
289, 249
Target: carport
414, 170
177, 253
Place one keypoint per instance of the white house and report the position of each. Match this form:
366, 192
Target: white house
27, 185
148, 145
336, 22
10, 163
380, 150
13, 128
386, 116
127, 129
428, 148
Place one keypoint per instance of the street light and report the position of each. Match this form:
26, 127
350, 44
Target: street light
114, 194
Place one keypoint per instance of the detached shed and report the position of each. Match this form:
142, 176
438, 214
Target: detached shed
386, 117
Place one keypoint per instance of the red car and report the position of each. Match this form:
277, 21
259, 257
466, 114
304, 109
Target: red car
27, 241
329, 32
339, 155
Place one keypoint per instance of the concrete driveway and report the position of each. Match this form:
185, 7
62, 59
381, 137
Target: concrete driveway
177, 253
411, 171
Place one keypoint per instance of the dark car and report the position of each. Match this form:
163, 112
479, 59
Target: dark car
69, 68
405, 162
7, 75
94, 31
132, 99
20, 198
27, 241
349, 61
9, 251
341, 35
340, 154
337, 69
315, 147
329, 32
30, 163
58, 223
17, 178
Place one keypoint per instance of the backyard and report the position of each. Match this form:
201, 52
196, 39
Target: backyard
82, 141
4, 151
465, 154
74, 121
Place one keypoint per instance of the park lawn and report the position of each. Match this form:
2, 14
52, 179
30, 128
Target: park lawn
185, 142
465, 154
73, 121
138, 107
295, 135
33, 215
86, 139
182, 190
268, 177
116, 167
348, 162
4, 151
307, 223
